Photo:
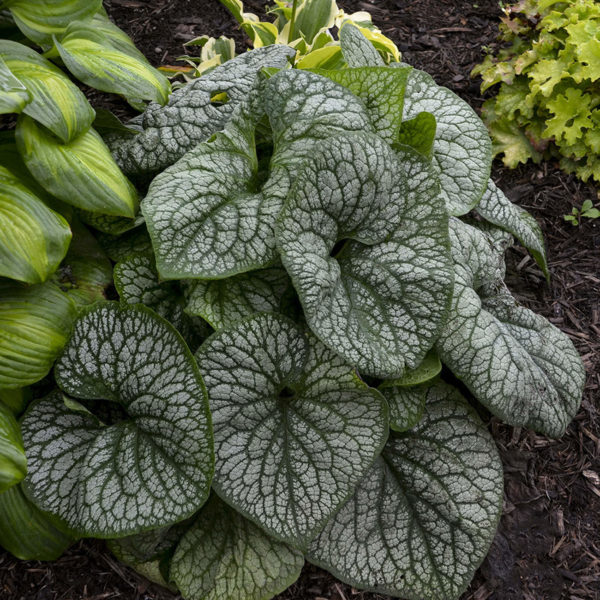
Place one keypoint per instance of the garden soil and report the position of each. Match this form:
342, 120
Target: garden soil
548, 542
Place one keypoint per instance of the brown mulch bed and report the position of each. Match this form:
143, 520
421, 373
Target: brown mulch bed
548, 543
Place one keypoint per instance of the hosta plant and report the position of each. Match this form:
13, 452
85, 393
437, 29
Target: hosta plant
330, 247
548, 99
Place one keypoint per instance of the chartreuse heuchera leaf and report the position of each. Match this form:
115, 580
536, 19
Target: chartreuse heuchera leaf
424, 516
35, 323
13, 464
33, 237
39, 20
56, 102
150, 462
295, 428
515, 362
380, 301
191, 115
223, 556
212, 214
82, 172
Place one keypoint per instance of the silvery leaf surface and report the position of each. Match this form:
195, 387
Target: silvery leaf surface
381, 300
223, 556
497, 209
462, 151
148, 468
212, 215
515, 362
295, 428
357, 49
424, 516
191, 116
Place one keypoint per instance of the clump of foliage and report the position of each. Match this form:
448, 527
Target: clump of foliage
548, 101
318, 262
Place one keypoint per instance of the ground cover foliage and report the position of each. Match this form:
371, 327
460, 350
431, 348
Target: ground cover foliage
414, 262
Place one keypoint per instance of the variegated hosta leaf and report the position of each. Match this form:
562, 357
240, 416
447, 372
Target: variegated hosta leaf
423, 518
497, 209
462, 151
93, 59
34, 325
56, 102
406, 395
39, 20
312, 17
27, 532
82, 172
358, 50
191, 116
380, 301
226, 301
382, 90
150, 468
515, 362
226, 557
209, 215
13, 465
14, 96
137, 282
295, 429
33, 237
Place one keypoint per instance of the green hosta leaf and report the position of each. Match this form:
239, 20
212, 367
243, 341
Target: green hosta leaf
424, 516
34, 325
14, 96
13, 465
419, 133
515, 362
191, 116
226, 301
39, 20
33, 238
497, 209
226, 557
27, 532
137, 282
381, 300
208, 215
358, 50
382, 90
56, 103
92, 58
16, 399
462, 151
150, 467
81, 173
295, 429
86, 271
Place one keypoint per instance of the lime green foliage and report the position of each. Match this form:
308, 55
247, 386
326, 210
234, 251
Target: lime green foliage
548, 100
587, 210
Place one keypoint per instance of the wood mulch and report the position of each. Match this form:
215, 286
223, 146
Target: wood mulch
548, 542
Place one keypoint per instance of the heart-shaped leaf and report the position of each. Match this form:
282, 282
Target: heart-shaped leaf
35, 322
33, 237
462, 151
497, 209
82, 172
423, 518
380, 301
191, 116
56, 102
515, 362
151, 464
295, 429
226, 301
226, 557
358, 50
13, 465
212, 214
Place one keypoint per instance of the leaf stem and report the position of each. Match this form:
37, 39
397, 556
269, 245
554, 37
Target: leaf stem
292, 21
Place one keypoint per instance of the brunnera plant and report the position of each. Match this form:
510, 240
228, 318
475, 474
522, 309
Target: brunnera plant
330, 246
